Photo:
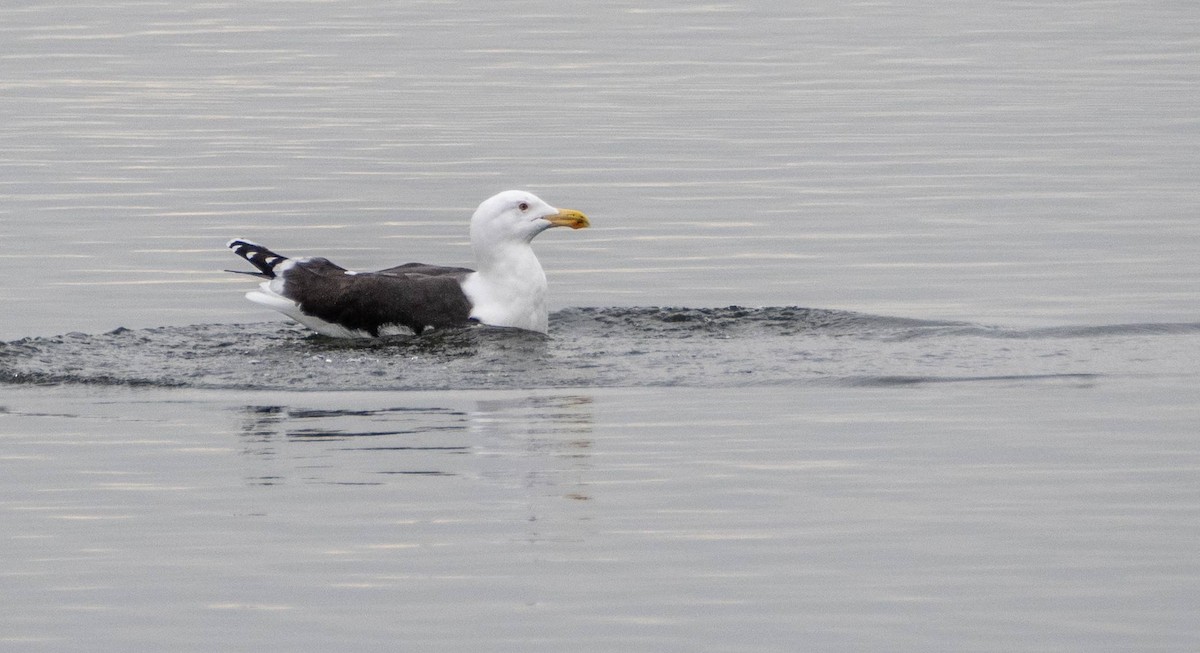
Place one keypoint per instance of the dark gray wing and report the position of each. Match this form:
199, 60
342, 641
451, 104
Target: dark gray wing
407, 295
427, 270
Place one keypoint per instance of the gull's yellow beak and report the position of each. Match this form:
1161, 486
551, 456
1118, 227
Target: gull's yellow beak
568, 218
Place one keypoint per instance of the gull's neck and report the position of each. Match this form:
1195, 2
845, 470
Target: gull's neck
508, 287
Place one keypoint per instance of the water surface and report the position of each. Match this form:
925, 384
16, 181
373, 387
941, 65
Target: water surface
884, 336
1058, 514
1012, 164
610, 347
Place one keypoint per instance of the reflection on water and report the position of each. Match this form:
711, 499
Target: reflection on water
540, 443
1011, 511
537, 442
272, 434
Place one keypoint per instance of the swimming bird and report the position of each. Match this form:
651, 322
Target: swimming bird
507, 289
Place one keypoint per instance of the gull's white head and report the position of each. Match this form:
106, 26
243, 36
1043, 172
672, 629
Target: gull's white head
509, 286
516, 216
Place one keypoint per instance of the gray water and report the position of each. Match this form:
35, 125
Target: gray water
610, 347
884, 337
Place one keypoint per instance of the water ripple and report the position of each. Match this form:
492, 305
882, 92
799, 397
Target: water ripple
608, 347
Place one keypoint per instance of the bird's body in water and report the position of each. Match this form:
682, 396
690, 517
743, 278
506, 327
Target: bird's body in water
507, 288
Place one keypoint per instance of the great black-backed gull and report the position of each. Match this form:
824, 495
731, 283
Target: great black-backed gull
508, 289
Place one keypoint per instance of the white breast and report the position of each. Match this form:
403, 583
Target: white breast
511, 302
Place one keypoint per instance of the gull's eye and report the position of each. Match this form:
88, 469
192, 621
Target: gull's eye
524, 206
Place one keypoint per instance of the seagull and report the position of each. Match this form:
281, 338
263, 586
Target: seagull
507, 288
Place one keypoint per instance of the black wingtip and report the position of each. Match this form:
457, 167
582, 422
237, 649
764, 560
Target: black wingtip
258, 256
